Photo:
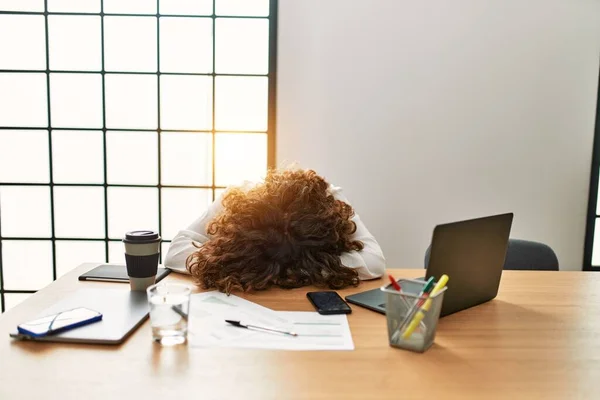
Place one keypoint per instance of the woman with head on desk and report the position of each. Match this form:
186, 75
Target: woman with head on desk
292, 230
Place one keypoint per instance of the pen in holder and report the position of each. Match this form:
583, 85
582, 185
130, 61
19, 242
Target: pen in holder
412, 319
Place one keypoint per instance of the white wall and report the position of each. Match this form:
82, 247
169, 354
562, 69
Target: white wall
434, 111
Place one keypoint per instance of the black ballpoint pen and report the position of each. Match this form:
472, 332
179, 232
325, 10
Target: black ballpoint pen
248, 326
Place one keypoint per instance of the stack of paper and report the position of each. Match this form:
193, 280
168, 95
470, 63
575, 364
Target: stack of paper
208, 328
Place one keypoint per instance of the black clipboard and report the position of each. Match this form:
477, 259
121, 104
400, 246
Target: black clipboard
115, 273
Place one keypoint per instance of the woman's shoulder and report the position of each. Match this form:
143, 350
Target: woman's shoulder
333, 190
338, 193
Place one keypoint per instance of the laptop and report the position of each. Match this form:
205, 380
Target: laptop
470, 252
122, 311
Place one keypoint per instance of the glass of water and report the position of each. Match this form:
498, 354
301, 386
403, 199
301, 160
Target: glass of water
169, 310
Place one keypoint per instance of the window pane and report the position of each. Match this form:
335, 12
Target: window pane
77, 156
79, 212
131, 209
76, 100
131, 101
25, 211
23, 100
22, 42
14, 299
186, 45
257, 8
241, 103
116, 253
596, 248
132, 157
75, 43
21, 5
186, 7
164, 249
242, 46
186, 158
240, 157
130, 6
185, 102
24, 156
130, 44
84, 6
180, 207
598, 199
71, 254
219, 192
27, 264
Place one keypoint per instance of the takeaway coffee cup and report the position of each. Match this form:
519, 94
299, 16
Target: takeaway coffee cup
142, 249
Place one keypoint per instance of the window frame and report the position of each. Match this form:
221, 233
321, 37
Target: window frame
270, 132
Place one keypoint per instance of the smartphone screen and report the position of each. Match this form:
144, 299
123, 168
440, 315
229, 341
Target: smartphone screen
59, 322
328, 303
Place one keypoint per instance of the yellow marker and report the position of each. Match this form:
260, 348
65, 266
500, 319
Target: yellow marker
426, 306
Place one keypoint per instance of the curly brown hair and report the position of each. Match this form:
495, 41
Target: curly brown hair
288, 231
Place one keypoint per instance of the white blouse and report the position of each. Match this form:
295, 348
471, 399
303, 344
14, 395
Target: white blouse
369, 261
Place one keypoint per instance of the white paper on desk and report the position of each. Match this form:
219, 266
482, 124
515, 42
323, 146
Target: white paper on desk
208, 328
315, 332
208, 312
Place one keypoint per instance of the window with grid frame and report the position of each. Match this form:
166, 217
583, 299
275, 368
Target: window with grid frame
124, 114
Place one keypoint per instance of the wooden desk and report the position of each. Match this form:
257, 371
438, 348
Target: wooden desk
539, 339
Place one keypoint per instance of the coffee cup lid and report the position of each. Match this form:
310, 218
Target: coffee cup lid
141, 237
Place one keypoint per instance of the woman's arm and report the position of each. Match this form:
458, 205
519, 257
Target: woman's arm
369, 262
182, 245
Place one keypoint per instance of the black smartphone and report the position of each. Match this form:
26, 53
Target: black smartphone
328, 303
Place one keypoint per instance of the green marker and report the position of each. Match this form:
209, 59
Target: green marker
427, 288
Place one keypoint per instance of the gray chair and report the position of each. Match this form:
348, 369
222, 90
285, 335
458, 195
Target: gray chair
524, 255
